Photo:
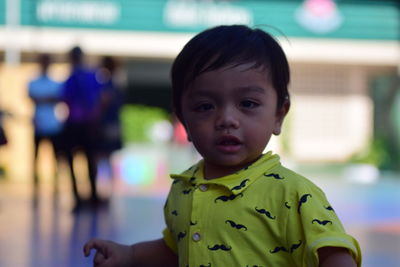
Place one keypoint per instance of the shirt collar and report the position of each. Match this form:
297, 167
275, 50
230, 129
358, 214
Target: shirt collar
236, 182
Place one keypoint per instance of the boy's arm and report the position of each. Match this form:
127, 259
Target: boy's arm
150, 253
335, 256
154, 253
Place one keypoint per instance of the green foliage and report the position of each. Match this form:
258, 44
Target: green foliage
375, 154
137, 120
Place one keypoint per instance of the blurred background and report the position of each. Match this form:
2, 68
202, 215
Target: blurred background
343, 129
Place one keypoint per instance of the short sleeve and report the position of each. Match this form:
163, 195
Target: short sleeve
167, 235
169, 240
312, 224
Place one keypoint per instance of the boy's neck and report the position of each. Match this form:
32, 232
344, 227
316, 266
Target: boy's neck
212, 171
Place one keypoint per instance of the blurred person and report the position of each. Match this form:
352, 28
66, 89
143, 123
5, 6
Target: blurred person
81, 93
3, 137
237, 206
111, 102
46, 95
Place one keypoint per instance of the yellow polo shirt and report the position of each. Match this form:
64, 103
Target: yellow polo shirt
263, 215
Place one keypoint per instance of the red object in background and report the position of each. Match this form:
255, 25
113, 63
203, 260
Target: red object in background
180, 135
320, 7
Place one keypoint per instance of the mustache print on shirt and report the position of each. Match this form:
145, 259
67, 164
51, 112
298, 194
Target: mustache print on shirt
287, 205
181, 235
282, 248
242, 184
191, 181
235, 225
274, 175
324, 222
243, 169
227, 198
277, 249
246, 168
193, 223
267, 213
295, 246
303, 200
186, 192
174, 212
209, 265
219, 247
329, 208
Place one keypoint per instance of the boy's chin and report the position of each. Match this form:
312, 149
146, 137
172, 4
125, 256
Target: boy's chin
229, 166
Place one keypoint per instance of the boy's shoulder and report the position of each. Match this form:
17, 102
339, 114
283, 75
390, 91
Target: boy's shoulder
292, 180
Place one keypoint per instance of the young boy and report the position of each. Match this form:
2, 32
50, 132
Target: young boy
237, 206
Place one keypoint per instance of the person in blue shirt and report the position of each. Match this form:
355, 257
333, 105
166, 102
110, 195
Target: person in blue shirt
46, 95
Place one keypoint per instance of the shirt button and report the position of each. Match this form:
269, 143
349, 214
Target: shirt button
196, 237
203, 187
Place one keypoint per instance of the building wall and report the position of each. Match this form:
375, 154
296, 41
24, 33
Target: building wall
330, 117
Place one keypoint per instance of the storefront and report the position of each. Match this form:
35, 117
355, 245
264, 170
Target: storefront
336, 49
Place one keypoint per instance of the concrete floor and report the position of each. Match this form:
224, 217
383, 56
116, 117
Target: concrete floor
45, 232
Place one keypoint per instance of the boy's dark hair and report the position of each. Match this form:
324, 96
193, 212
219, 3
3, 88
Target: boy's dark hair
229, 45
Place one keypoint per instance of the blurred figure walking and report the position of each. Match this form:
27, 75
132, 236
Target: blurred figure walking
81, 93
3, 137
111, 102
46, 95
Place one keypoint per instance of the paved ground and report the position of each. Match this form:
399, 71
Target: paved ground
46, 233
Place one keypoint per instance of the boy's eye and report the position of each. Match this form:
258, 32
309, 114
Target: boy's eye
249, 104
203, 107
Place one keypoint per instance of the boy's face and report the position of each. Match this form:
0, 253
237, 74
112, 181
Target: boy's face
230, 115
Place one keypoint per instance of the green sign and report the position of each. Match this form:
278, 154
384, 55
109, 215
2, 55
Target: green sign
2, 12
353, 19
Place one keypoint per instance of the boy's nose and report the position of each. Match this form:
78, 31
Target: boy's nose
226, 120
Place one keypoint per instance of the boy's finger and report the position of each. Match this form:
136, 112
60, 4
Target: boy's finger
98, 259
86, 248
93, 243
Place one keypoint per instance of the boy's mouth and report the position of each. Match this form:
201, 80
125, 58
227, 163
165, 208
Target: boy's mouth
228, 144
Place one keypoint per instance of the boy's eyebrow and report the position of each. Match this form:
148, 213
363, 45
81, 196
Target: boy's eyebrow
251, 88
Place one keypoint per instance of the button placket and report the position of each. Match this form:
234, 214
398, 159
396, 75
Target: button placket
196, 236
203, 187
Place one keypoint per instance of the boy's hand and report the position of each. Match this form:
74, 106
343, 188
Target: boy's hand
108, 253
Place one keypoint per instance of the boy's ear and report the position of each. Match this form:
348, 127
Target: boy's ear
280, 115
187, 132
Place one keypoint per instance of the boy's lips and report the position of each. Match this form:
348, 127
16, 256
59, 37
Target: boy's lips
228, 144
